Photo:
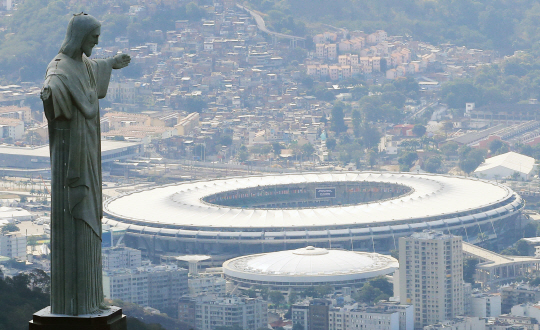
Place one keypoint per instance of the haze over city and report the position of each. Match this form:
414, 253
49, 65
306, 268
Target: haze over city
294, 164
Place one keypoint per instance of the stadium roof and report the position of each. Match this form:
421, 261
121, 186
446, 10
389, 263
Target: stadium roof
310, 263
181, 205
43, 151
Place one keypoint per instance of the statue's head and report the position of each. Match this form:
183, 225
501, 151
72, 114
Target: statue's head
82, 34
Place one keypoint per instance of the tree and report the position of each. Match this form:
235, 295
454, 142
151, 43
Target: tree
382, 283
522, 247
494, 146
419, 130
370, 136
23, 199
276, 297
337, 120
308, 150
32, 240
251, 293
458, 92
293, 297
448, 126
10, 227
433, 164
323, 290
372, 158
243, 155
356, 121
331, 143
449, 149
469, 268
470, 159
406, 160
263, 290
225, 140
194, 104
277, 147
369, 294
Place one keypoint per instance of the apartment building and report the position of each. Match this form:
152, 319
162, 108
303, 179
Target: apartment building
159, 287
120, 257
326, 51
379, 317
431, 276
459, 323
485, 305
13, 246
312, 314
206, 284
518, 294
248, 313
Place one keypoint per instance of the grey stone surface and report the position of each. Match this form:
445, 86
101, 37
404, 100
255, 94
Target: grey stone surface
73, 85
111, 319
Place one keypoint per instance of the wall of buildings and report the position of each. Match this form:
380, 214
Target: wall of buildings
13, 246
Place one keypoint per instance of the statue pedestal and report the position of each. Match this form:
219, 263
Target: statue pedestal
111, 319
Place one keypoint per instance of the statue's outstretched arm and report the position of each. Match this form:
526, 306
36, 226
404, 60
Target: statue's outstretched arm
120, 61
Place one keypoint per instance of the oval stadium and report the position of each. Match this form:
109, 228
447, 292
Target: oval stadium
363, 211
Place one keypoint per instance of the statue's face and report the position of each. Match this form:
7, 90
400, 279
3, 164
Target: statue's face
90, 41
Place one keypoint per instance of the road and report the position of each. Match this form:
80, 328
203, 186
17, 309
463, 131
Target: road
262, 26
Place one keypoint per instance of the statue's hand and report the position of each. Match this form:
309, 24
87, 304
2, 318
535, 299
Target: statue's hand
121, 61
45, 93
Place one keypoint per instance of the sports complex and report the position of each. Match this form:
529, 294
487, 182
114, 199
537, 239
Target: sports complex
361, 211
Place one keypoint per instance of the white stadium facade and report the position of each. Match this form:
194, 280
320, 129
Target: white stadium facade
363, 211
309, 266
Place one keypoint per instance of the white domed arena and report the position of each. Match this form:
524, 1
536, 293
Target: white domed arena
360, 211
307, 267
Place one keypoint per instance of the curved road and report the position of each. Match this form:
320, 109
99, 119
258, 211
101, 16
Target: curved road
262, 26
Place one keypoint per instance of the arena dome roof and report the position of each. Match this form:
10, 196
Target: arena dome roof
310, 265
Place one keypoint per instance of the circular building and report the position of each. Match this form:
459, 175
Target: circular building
366, 211
307, 267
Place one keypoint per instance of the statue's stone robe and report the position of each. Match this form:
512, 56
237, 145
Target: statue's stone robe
72, 112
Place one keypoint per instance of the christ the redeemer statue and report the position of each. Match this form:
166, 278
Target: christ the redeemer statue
73, 85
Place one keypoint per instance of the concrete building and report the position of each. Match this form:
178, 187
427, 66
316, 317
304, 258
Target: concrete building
485, 305
14, 159
512, 322
11, 214
121, 92
22, 113
527, 309
406, 313
383, 316
13, 246
506, 165
120, 257
11, 128
518, 294
206, 284
187, 124
495, 268
459, 323
431, 276
159, 287
312, 314
248, 313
